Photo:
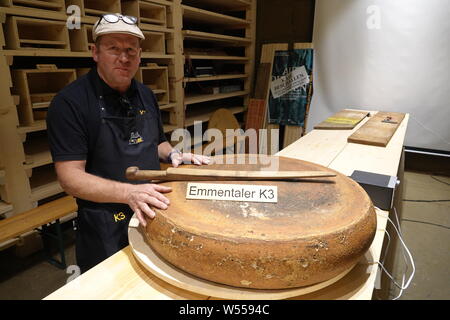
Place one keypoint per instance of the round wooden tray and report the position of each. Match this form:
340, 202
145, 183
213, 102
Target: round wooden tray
151, 261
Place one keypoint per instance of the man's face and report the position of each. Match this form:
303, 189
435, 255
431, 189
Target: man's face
118, 57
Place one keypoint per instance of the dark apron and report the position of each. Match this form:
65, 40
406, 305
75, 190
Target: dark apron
122, 142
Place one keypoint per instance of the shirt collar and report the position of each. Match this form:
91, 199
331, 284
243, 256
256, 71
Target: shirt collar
105, 90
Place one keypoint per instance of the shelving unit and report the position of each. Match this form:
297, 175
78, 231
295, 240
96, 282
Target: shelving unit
35, 31
179, 34
219, 37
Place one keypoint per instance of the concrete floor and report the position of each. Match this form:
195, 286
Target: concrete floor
425, 227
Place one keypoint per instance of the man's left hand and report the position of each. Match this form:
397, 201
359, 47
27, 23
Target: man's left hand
189, 158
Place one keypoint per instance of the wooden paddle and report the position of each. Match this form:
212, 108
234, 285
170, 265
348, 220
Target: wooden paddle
183, 174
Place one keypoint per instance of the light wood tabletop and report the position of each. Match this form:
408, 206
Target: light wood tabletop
122, 277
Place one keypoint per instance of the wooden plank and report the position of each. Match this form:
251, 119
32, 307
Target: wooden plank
34, 218
343, 120
221, 5
217, 77
204, 115
44, 4
197, 98
5, 208
214, 57
378, 130
320, 146
215, 37
125, 279
152, 13
22, 31
291, 134
355, 156
16, 187
205, 16
255, 114
263, 80
267, 56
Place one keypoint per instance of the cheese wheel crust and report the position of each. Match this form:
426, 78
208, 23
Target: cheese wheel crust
317, 230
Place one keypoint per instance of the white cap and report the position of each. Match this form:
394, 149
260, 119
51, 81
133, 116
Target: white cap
103, 27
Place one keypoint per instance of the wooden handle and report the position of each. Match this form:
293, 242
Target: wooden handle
133, 173
183, 174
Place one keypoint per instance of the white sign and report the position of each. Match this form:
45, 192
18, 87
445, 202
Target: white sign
291, 81
232, 192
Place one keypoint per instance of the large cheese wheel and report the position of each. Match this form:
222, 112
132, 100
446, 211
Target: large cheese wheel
318, 229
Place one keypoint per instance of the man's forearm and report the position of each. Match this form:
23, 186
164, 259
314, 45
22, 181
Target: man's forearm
164, 149
89, 187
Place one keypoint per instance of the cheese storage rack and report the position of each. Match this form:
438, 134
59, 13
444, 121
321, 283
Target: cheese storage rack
225, 28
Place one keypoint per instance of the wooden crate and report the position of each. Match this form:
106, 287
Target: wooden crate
81, 39
154, 42
156, 78
44, 183
93, 9
23, 33
149, 13
53, 5
37, 152
36, 88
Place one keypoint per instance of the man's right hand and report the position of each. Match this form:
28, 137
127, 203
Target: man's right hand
142, 197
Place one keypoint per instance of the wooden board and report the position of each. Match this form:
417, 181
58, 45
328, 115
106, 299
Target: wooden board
343, 120
293, 133
222, 119
34, 218
255, 114
316, 230
379, 130
152, 262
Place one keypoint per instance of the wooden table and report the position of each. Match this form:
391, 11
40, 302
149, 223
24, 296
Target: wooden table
121, 276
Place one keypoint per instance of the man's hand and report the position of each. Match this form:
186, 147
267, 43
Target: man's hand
142, 197
188, 158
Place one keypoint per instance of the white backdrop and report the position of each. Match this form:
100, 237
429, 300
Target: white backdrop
387, 55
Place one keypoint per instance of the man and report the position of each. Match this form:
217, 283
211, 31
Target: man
100, 125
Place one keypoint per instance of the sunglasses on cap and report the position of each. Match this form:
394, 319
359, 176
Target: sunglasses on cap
114, 18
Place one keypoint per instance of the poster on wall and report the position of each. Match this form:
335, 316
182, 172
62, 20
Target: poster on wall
289, 89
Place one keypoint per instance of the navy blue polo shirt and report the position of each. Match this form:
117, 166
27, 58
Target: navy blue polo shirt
73, 117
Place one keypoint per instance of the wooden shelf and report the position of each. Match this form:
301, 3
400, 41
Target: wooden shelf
218, 77
44, 183
204, 116
5, 208
210, 97
169, 128
205, 16
44, 4
214, 57
45, 191
39, 159
214, 37
38, 125
224, 5
164, 2
37, 153
167, 106
87, 54
165, 36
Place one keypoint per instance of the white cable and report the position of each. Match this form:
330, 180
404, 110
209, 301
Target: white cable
404, 256
429, 130
403, 286
387, 245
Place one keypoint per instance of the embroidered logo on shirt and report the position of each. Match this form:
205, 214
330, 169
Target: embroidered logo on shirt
119, 216
135, 138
